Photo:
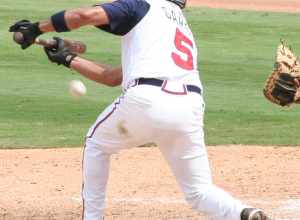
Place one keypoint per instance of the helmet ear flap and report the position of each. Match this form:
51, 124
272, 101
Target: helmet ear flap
180, 3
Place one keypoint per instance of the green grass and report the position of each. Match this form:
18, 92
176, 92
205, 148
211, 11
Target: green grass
236, 53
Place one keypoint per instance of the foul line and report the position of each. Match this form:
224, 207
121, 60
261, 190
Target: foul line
290, 206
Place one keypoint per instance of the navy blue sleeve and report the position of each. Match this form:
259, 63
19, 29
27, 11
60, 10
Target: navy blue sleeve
123, 15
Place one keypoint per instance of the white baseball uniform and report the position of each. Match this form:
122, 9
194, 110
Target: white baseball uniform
158, 48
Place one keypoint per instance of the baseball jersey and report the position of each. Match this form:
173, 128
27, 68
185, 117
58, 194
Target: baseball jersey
156, 40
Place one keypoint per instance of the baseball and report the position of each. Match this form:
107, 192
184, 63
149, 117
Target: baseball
18, 37
77, 88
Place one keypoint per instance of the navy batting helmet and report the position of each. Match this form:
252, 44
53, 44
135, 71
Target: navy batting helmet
180, 3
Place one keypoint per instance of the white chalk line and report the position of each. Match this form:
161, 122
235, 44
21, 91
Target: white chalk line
290, 205
160, 200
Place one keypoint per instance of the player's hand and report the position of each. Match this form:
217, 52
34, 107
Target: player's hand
60, 54
29, 30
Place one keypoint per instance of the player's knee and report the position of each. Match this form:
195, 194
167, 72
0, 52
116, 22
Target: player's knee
90, 143
98, 145
196, 196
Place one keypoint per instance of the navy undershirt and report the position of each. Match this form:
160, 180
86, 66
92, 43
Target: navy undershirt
123, 15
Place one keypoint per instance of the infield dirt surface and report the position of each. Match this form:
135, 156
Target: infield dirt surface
46, 184
260, 5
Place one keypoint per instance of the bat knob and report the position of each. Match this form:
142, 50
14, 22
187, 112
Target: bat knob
18, 37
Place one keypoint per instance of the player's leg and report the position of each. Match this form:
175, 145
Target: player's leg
178, 125
95, 175
96, 159
181, 140
182, 144
189, 163
115, 129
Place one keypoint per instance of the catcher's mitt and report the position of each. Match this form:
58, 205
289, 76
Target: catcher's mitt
283, 85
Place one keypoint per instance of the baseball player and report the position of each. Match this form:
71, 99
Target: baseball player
162, 99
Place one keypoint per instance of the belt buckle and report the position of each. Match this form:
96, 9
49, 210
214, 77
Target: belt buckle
164, 89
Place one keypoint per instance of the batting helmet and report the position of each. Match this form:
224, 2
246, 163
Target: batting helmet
180, 3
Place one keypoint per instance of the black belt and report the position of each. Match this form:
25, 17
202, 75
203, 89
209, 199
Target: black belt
159, 83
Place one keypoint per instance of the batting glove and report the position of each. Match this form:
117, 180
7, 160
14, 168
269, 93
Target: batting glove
29, 30
60, 54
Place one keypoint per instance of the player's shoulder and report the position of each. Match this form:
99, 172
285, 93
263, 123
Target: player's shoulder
155, 2
136, 5
124, 15
131, 2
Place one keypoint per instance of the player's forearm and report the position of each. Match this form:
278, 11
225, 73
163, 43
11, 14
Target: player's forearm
46, 26
77, 18
97, 72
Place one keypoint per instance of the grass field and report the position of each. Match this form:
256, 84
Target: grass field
236, 55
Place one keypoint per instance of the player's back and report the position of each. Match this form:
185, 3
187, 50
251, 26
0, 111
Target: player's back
161, 46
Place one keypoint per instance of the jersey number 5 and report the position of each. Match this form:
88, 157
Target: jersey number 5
180, 40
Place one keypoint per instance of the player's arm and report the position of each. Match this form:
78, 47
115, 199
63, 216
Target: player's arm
116, 14
63, 21
98, 72
117, 17
73, 19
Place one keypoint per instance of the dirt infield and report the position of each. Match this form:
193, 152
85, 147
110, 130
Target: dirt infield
292, 6
46, 184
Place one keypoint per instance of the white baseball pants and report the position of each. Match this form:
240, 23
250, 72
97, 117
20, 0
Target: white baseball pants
145, 113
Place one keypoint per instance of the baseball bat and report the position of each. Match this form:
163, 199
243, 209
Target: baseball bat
74, 46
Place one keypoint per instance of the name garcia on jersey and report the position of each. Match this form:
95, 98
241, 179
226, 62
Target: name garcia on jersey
174, 17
